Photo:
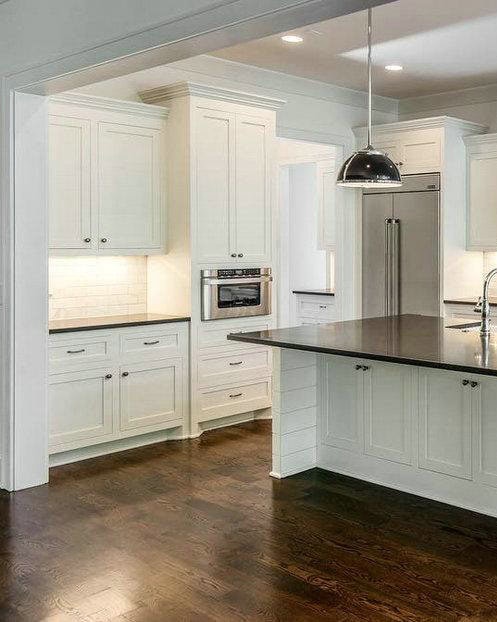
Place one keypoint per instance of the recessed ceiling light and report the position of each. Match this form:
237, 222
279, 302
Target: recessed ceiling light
292, 39
394, 67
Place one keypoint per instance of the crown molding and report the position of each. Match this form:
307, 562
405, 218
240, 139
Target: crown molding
421, 124
449, 99
196, 89
106, 103
480, 139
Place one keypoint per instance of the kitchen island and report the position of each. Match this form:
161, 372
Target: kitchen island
400, 401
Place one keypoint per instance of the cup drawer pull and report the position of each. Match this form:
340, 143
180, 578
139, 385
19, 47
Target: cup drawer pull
76, 351
236, 363
233, 395
151, 343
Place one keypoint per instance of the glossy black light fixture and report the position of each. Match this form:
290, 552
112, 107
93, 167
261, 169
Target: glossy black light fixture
368, 167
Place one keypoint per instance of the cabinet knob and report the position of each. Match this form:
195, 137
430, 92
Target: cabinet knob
104, 240
358, 367
125, 373
465, 382
401, 163
233, 395
108, 376
87, 240
365, 367
233, 254
474, 384
240, 254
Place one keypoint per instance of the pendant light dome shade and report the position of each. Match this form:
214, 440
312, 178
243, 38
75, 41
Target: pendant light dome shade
368, 168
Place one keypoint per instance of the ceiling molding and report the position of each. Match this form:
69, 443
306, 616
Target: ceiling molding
449, 99
421, 124
194, 89
107, 103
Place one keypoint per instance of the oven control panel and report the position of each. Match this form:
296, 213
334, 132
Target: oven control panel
237, 273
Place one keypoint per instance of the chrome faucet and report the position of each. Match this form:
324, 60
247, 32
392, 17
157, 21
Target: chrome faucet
483, 305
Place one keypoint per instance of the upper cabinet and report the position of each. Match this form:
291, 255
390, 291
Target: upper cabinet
106, 170
225, 174
482, 192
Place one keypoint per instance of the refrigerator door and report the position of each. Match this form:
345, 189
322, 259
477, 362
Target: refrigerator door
376, 209
418, 228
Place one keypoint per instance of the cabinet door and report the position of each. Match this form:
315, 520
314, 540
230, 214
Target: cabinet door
129, 188
485, 410
69, 183
215, 185
391, 147
387, 411
327, 203
151, 394
252, 202
445, 423
482, 202
81, 409
342, 400
421, 152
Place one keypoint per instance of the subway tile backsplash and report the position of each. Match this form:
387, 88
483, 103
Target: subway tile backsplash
95, 286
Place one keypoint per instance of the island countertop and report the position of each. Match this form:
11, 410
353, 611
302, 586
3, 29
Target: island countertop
407, 339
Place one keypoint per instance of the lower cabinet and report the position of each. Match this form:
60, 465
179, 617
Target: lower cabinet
134, 394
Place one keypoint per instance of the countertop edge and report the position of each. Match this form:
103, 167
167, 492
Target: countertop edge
366, 355
124, 324
312, 292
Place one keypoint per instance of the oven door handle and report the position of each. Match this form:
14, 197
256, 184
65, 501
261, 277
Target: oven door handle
250, 281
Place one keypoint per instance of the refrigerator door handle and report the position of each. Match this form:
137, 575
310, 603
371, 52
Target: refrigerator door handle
388, 266
395, 266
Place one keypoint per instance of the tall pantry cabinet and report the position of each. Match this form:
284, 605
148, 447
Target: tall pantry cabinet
221, 198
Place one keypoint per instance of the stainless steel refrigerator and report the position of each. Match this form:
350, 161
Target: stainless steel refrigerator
401, 248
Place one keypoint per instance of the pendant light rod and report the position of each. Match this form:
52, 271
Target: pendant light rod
370, 81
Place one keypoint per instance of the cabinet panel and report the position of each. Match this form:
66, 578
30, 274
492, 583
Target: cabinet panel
81, 408
485, 401
214, 166
391, 148
69, 183
216, 369
150, 394
444, 423
327, 203
129, 187
482, 202
241, 398
342, 403
421, 152
387, 412
252, 202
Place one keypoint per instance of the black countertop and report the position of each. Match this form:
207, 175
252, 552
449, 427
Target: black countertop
112, 321
315, 292
410, 339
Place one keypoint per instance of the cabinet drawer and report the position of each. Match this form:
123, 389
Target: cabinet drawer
216, 335
152, 344
317, 309
215, 370
234, 400
71, 352
462, 311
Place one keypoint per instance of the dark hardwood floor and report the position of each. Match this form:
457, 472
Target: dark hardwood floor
196, 530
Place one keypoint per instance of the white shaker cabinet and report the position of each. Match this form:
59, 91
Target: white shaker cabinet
106, 169
482, 192
327, 203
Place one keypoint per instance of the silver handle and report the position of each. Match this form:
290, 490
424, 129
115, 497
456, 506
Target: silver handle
232, 395
76, 351
237, 363
151, 343
241, 281
388, 265
395, 271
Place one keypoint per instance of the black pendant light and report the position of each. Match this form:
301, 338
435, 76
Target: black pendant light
368, 167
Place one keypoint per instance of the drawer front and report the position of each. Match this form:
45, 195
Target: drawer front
74, 352
215, 335
464, 311
215, 370
237, 399
320, 310
152, 343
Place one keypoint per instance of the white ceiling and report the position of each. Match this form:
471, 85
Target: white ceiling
443, 45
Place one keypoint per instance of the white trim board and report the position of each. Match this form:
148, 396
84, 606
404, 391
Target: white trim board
449, 99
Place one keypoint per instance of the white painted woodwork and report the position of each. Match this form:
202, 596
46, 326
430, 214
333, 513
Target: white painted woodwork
482, 192
145, 343
484, 401
72, 351
462, 311
318, 307
219, 369
214, 334
129, 191
444, 423
237, 398
327, 192
342, 403
295, 404
69, 187
391, 147
215, 185
252, 182
388, 411
81, 406
150, 394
